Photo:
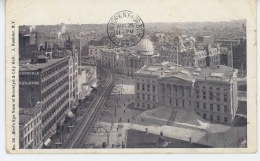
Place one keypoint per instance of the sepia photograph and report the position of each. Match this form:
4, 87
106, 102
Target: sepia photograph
128, 83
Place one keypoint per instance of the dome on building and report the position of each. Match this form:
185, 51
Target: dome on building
145, 47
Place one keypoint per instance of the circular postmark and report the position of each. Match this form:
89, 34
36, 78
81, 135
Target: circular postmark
125, 29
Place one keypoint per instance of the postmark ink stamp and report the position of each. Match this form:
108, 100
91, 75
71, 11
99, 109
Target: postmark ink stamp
125, 29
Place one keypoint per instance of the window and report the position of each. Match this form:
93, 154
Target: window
204, 106
210, 96
148, 88
225, 97
148, 97
189, 103
138, 86
198, 94
225, 108
153, 98
138, 96
148, 106
154, 88
143, 87
218, 108
204, 95
218, 118
189, 91
211, 107
211, 117
143, 105
218, 97
204, 115
198, 105
204, 87
182, 103
225, 119
143, 96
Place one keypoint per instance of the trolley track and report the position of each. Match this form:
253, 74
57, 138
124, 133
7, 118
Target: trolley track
80, 133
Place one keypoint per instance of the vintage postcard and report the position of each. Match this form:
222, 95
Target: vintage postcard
151, 76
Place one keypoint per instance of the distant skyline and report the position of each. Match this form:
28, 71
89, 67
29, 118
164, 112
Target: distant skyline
146, 23
99, 12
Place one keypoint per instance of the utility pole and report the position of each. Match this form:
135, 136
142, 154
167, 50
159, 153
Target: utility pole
177, 58
116, 105
231, 55
242, 70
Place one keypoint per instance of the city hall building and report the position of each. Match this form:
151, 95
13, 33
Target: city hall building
211, 92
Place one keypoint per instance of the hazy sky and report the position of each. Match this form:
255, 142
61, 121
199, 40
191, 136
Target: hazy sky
37, 12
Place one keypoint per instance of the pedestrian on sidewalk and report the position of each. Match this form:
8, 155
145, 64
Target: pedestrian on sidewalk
128, 120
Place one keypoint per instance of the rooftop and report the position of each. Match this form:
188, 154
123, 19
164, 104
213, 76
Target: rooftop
139, 139
26, 114
23, 119
26, 65
156, 69
168, 69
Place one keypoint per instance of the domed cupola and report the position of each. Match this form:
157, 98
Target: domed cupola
145, 47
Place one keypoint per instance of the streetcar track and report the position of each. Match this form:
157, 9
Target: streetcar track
79, 134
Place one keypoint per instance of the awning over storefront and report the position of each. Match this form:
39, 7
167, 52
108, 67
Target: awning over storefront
47, 142
70, 114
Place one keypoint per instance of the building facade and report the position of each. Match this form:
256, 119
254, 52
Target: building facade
95, 51
128, 61
189, 55
211, 92
30, 132
87, 81
46, 80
